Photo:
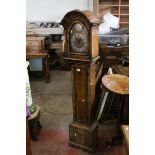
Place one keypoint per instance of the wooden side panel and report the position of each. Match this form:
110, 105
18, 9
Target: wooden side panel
95, 42
91, 90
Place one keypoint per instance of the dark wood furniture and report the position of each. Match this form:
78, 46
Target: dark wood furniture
57, 45
111, 55
28, 142
81, 50
34, 124
35, 49
120, 69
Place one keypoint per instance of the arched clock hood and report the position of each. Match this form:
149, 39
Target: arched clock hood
90, 23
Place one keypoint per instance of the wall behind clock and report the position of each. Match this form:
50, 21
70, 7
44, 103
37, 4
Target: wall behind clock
52, 10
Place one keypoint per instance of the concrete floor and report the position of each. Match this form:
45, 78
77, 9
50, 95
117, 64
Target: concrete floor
55, 100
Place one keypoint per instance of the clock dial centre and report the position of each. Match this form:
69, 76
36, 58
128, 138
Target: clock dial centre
78, 38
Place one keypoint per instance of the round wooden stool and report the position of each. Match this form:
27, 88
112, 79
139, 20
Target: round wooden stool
114, 85
119, 86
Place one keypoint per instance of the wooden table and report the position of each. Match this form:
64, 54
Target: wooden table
35, 49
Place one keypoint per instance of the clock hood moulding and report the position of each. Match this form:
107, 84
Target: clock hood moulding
88, 16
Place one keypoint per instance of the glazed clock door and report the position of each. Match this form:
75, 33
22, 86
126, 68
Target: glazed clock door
78, 37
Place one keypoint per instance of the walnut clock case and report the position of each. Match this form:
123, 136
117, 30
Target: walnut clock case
81, 50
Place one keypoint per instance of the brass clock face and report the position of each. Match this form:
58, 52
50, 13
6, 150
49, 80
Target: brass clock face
78, 38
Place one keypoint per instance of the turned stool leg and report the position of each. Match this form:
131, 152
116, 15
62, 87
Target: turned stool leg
33, 132
102, 106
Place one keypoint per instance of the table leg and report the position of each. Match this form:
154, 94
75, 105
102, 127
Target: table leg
47, 72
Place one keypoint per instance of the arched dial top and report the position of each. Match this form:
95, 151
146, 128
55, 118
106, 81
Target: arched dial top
78, 38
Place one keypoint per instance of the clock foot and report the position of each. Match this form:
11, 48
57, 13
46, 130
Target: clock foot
83, 137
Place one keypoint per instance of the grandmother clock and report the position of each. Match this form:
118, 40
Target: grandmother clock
81, 50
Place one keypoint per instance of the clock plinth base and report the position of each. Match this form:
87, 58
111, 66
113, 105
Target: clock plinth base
83, 137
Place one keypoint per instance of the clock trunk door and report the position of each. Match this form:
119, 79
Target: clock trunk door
80, 80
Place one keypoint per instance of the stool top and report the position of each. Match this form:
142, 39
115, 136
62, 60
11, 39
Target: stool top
116, 83
35, 114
